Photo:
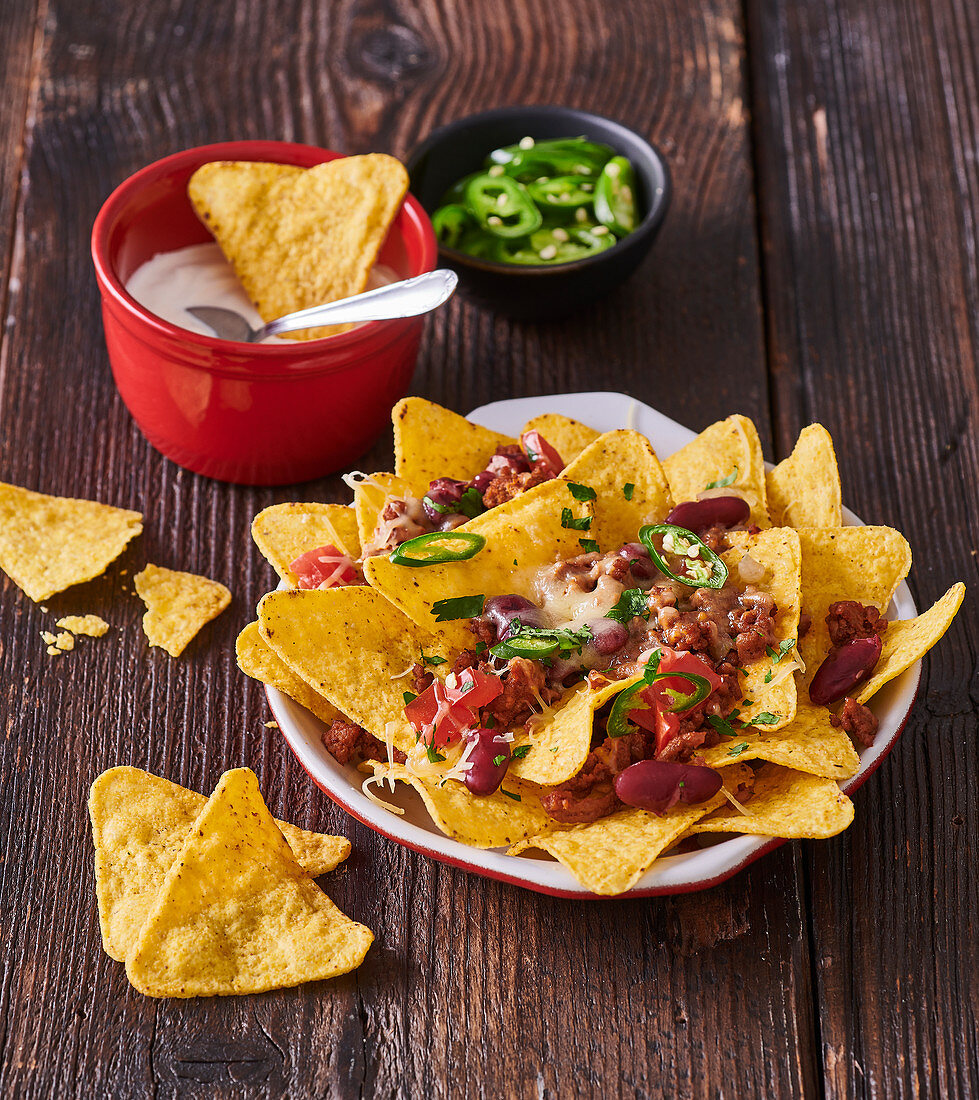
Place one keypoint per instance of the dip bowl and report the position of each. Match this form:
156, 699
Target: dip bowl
249, 413
530, 292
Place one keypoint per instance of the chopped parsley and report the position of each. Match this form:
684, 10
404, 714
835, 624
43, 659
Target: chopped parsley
776, 656
460, 607
628, 489
590, 546
520, 752
433, 660
470, 505
434, 756
722, 725
509, 794
724, 482
479, 647
569, 523
631, 603
498, 760
490, 723
581, 492
738, 749
766, 718
409, 697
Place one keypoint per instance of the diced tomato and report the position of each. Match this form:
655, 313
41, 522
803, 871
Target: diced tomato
680, 662
541, 453
324, 567
442, 714
475, 689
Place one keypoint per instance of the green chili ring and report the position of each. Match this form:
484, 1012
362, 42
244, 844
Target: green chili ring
718, 570
618, 719
433, 555
534, 646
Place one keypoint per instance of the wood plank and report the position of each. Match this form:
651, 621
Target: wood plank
473, 988
866, 123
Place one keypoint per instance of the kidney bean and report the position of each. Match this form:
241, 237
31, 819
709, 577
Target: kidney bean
608, 636
503, 610
656, 785
639, 560
444, 491
481, 482
484, 777
699, 515
845, 668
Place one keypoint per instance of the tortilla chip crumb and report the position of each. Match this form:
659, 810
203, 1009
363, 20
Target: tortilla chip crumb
48, 637
45, 610
53, 651
89, 625
177, 605
271, 725
64, 641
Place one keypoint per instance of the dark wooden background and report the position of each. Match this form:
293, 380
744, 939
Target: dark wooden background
819, 261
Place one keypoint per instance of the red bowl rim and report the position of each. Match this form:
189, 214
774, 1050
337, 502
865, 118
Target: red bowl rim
285, 152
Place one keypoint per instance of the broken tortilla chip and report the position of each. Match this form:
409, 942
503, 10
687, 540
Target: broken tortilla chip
257, 659
139, 824
378, 643
91, 626
804, 489
568, 437
432, 442
607, 465
728, 449
285, 531
48, 544
236, 913
785, 803
908, 640
177, 605
300, 237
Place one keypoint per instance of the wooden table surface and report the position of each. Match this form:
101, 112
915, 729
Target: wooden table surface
819, 262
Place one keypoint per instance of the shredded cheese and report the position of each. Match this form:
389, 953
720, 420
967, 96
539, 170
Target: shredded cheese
389, 728
734, 802
402, 675
365, 788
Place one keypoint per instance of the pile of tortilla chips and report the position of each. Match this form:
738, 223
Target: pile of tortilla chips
212, 896
347, 649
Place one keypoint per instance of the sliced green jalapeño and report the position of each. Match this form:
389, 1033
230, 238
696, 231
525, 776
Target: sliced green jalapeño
425, 549
502, 206
702, 568
615, 196
618, 724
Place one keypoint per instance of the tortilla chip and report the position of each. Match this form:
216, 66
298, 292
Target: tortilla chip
236, 913
785, 803
493, 821
521, 536
284, 531
177, 605
809, 743
778, 550
431, 442
370, 498
139, 823
610, 855
352, 646
300, 237
258, 660
560, 738
48, 544
848, 563
568, 437
804, 489
607, 465
908, 640
714, 455
91, 626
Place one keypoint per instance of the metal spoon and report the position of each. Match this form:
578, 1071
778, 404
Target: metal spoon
407, 298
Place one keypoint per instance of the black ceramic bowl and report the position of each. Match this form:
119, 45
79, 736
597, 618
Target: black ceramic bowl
530, 292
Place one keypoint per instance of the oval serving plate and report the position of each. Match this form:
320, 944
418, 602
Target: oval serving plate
676, 874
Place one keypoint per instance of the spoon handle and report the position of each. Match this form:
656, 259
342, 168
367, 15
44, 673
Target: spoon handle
408, 298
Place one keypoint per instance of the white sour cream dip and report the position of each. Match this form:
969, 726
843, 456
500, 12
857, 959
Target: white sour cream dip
199, 275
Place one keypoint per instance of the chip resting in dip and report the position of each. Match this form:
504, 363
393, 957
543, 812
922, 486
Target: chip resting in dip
562, 643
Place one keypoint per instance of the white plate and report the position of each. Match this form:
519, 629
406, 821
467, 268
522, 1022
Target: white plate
670, 874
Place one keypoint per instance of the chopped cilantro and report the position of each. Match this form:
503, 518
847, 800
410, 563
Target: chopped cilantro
776, 656
498, 760
724, 482
766, 718
631, 603
479, 647
434, 757
569, 523
461, 607
470, 505
590, 546
520, 752
515, 797
748, 702
581, 492
434, 660
738, 749
556, 747
681, 784
722, 725
628, 489
514, 561
409, 697
490, 723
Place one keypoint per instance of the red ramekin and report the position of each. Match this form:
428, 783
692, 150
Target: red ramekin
254, 414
